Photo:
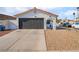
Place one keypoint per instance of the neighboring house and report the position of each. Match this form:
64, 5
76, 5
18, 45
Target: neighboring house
67, 20
71, 21
7, 21
34, 19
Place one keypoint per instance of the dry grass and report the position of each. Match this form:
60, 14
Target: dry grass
62, 40
5, 32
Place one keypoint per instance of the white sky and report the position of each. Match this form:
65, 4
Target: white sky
39, 3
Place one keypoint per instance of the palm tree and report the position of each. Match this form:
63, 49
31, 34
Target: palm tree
74, 15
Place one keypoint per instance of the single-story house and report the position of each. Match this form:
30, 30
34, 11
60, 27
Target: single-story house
31, 19
6, 20
34, 19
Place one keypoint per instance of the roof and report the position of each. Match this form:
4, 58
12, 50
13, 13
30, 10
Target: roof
35, 9
3, 16
72, 20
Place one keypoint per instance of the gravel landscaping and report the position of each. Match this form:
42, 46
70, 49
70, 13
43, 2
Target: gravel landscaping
62, 40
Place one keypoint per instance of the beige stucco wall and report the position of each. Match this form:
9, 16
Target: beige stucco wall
15, 22
5, 23
8, 23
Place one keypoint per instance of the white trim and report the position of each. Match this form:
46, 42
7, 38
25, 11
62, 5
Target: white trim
45, 24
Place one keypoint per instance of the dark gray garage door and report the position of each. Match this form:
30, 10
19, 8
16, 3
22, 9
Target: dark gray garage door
31, 23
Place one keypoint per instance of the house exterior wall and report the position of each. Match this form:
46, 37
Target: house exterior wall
9, 24
13, 24
71, 22
1, 22
5, 23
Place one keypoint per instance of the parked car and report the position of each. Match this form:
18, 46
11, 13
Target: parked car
75, 25
66, 24
2, 27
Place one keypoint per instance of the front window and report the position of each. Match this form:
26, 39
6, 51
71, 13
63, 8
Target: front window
48, 21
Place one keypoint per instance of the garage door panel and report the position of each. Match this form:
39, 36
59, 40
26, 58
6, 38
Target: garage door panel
31, 23
27, 25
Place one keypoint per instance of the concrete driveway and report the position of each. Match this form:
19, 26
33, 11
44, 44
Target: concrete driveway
23, 40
